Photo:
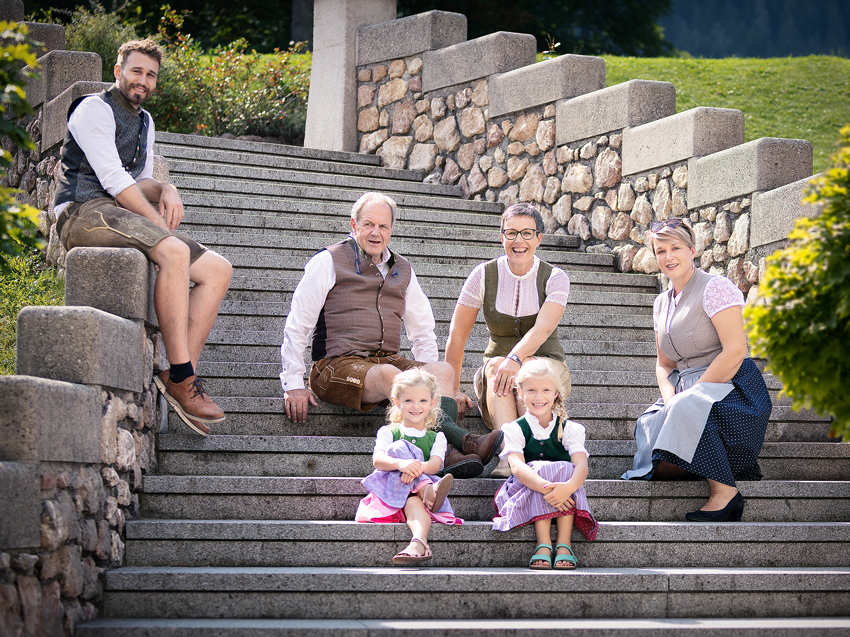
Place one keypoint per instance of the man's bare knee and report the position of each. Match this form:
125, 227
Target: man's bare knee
212, 268
170, 252
378, 383
492, 365
443, 371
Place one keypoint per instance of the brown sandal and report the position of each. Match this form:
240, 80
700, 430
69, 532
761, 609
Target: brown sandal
441, 489
411, 558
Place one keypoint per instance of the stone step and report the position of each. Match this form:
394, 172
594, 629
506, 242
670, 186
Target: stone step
364, 593
269, 543
198, 160
281, 498
303, 248
175, 144
427, 241
785, 425
657, 627
224, 176
285, 280
304, 456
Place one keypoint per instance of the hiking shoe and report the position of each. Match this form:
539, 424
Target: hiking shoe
460, 465
485, 447
190, 401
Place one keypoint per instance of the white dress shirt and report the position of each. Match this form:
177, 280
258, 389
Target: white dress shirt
92, 124
309, 299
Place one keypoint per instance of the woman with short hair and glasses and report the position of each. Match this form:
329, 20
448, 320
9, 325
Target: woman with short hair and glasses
523, 299
712, 416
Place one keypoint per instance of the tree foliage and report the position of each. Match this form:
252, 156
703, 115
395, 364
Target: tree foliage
17, 221
617, 27
801, 322
96, 30
227, 89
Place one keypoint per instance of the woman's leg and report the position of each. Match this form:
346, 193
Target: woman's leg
666, 471
721, 495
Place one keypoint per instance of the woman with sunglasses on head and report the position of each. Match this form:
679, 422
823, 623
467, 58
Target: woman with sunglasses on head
523, 299
714, 407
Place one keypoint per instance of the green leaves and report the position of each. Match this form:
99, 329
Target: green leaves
18, 222
801, 321
228, 89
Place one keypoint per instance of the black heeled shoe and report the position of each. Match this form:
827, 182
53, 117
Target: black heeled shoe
732, 512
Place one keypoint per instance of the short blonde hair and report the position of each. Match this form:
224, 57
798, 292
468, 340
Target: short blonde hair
681, 231
407, 380
544, 368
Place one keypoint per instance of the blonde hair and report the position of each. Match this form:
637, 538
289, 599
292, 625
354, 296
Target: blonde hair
681, 232
408, 380
544, 368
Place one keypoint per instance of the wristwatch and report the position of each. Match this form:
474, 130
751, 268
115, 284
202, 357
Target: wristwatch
514, 358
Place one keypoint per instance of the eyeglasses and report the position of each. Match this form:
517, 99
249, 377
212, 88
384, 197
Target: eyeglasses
667, 223
528, 234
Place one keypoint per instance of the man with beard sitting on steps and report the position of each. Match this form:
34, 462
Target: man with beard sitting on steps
104, 196
354, 296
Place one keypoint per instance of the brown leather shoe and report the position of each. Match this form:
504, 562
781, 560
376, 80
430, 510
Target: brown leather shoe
190, 401
484, 446
460, 465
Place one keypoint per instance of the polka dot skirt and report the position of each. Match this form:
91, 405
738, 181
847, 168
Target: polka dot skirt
734, 432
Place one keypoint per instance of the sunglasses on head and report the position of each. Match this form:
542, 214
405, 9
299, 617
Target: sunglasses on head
667, 223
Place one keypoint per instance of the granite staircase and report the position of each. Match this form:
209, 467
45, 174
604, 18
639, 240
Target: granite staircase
250, 531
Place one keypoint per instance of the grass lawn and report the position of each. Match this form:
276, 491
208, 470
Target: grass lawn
31, 282
798, 98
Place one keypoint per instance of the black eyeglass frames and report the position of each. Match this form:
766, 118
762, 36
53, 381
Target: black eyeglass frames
528, 234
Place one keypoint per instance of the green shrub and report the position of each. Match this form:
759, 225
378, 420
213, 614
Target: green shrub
98, 31
228, 90
17, 221
801, 322
29, 282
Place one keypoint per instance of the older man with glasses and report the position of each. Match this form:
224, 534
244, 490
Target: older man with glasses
353, 297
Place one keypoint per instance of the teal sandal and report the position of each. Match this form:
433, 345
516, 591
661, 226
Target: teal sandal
565, 559
541, 557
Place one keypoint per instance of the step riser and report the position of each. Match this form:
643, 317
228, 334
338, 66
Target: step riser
277, 424
357, 466
343, 507
495, 554
448, 604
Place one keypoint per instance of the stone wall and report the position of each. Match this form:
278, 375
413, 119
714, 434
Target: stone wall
77, 434
600, 163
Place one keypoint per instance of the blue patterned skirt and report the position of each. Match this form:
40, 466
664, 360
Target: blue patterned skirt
734, 431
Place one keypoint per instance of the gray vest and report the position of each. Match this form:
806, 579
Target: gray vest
692, 340
77, 180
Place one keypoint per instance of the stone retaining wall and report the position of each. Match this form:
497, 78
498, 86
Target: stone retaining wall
77, 433
601, 163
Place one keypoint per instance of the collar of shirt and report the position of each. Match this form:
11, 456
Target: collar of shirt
411, 431
536, 427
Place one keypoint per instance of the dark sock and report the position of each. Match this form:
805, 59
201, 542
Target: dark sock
451, 431
179, 373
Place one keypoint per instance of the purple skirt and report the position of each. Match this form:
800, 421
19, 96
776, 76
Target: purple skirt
517, 505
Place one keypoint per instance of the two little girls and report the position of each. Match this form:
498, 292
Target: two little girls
408, 452
544, 449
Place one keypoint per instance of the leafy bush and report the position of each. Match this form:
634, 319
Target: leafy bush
17, 221
801, 323
228, 90
100, 32
28, 282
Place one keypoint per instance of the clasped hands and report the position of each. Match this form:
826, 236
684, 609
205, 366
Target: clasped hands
559, 495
